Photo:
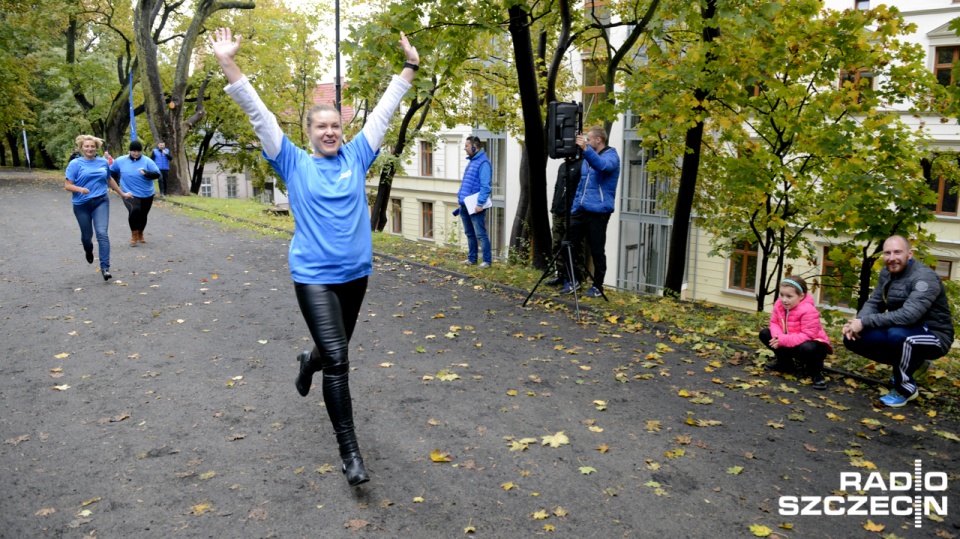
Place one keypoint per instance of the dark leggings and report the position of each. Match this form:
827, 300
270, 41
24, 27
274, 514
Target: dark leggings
809, 354
138, 209
330, 312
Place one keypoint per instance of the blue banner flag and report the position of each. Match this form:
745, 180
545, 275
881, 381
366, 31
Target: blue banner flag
133, 123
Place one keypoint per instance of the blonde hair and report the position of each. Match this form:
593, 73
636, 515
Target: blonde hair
323, 107
84, 138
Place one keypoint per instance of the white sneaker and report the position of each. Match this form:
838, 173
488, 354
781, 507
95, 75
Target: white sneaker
484, 265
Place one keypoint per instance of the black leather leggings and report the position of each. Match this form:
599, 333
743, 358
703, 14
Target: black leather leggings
331, 314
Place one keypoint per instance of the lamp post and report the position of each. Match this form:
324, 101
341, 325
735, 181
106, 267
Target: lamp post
337, 54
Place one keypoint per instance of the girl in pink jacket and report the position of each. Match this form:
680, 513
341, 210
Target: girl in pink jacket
795, 333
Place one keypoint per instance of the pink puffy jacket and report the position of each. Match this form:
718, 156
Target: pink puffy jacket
795, 327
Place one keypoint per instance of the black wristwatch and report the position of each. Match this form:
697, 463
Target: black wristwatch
414, 67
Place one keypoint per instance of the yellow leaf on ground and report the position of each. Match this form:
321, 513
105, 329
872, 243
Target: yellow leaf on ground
760, 531
595, 428
507, 486
947, 435
200, 509
871, 527
62, 356
386, 364
555, 440
540, 515
418, 499
560, 511
438, 456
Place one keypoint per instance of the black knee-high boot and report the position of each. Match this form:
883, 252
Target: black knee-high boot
336, 397
309, 364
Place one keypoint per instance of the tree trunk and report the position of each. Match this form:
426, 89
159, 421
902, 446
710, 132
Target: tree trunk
519, 233
166, 116
378, 214
534, 137
866, 271
12, 143
677, 256
3, 154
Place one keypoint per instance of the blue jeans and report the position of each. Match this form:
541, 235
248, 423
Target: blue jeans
94, 215
475, 227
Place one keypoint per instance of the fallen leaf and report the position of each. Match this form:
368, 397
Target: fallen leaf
540, 515
871, 527
603, 448
200, 509
62, 355
507, 486
947, 435
809, 448
560, 511
418, 499
760, 531
735, 470
64, 387
45, 512
18, 440
555, 440
356, 524
326, 468
774, 424
587, 470
438, 456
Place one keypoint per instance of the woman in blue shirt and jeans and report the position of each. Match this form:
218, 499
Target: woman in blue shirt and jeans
87, 177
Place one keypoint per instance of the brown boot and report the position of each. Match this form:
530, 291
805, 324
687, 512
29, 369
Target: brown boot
133, 238
140, 237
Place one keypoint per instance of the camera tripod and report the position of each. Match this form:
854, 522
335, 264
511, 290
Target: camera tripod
566, 246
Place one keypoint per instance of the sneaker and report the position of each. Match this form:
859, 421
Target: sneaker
467, 263
819, 382
556, 281
484, 265
569, 287
594, 292
895, 400
921, 370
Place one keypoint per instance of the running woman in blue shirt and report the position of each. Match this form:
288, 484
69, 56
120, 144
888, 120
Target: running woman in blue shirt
87, 177
331, 254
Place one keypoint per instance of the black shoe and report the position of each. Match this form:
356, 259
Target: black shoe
106, 275
819, 382
89, 257
305, 373
556, 281
778, 366
354, 470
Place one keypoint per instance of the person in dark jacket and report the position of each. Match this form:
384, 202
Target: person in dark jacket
568, 177
593, 204
906, 321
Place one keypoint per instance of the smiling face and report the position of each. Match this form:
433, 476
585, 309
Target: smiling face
89, 149
896, 254
326, 133
469, 148
790, 297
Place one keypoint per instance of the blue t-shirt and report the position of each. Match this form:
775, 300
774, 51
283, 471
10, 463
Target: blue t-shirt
91, 174
332, 243
131, 181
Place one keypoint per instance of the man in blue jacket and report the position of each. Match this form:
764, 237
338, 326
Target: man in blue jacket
593, 204
476, 181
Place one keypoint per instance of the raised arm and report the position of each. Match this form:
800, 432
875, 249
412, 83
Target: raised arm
265, 124
379, 119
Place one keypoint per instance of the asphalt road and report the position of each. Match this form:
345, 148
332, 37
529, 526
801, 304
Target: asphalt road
162, 404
